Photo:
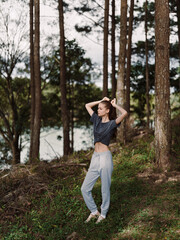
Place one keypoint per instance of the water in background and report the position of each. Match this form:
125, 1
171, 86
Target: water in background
52, 147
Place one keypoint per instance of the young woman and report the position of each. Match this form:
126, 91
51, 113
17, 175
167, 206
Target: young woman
101, 162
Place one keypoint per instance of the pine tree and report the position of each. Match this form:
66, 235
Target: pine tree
64, 104
120, 93
36, 88
162, 85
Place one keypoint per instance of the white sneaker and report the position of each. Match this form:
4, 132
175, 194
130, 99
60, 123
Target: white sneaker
92, 216
100, 219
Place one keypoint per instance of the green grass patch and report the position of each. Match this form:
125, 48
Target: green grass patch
140, 209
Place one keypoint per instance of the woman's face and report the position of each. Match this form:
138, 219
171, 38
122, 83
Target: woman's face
102, 110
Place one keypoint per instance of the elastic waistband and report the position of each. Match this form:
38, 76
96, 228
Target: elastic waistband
101, 153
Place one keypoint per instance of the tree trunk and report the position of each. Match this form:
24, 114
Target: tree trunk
162, 85
72, 99
37, 85
64, 104
15, 150
129, 42
113, 56
32, 88
105, 55
178, 18
72, 130
37, 78
120, 93
147, 68
16, 128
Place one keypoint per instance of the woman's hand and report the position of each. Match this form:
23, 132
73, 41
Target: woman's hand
113, 102
105, 99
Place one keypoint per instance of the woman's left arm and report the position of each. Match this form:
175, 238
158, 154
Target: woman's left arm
122, 110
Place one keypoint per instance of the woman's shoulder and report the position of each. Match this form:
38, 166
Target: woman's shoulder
95, 117
114, 124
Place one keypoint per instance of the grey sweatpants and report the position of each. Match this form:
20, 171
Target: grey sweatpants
101, 166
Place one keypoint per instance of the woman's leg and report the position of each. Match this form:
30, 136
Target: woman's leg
105, 174
88, 184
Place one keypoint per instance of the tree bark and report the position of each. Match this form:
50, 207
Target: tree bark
32, 88
129, 43
16, 128
178, 18
64, 103
120, 93
147, 68
162, 85
11, 136
72, 131
105, 55
15, 150
72, 99
113, 56
37, 87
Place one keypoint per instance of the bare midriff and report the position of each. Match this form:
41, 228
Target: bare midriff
100, 147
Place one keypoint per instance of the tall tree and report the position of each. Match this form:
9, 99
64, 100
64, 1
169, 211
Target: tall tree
35, 134
129, 50
105, 53
64, 103
120, 93
178, 18
162, 85
147, 67
11, 54
113, 56
32, 87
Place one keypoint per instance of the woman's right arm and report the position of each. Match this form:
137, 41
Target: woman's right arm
90, 105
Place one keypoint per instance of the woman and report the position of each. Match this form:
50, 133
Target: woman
101, 162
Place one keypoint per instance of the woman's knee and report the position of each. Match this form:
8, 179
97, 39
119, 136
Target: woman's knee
83, 189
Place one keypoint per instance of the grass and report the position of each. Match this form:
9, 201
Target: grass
140, 208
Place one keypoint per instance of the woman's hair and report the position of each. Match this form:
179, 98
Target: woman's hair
112, 110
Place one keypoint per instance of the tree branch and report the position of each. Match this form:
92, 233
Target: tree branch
6, 122
4, 136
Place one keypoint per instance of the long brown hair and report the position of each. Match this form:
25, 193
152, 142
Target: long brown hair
112, 110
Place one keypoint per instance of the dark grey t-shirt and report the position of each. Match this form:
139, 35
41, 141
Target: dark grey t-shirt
103, 131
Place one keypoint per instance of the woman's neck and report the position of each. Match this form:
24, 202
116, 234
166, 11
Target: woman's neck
105, 119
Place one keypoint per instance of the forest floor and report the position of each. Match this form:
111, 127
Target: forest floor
45, 201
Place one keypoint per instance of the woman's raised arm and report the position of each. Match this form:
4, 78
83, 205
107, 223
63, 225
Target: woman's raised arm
122, 110
90, 105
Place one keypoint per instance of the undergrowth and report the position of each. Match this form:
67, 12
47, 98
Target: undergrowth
140, 208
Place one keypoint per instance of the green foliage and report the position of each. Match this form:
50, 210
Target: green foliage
138, 54
139, 49
80, 90
93, 11
51, 115
86, 29
139, 91
20, 89
175, 105
5, 157
140, 15
174, 50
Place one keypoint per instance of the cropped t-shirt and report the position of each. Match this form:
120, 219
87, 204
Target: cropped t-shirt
103, 131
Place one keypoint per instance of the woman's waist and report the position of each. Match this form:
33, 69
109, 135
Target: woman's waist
100, 147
